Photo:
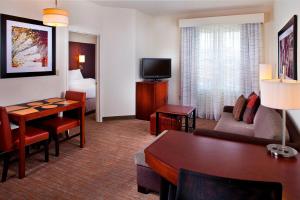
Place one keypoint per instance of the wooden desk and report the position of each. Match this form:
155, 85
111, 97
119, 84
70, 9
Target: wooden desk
177, 110
22, 113
176, 150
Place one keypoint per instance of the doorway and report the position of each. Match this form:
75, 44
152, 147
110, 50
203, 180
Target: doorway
83, 70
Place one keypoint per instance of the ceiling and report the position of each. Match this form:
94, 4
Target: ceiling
168, 7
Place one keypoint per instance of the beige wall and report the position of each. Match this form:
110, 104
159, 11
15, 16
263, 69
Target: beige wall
283, 12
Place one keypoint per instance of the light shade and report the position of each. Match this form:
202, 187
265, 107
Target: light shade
265, 71
81, 58
55, 17
284, 95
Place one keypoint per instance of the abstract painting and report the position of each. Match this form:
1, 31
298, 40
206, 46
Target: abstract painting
287, 50
28, 48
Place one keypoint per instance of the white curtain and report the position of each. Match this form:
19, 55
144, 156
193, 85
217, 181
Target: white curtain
218, 63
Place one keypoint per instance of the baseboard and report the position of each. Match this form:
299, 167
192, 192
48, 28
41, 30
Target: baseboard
119, 117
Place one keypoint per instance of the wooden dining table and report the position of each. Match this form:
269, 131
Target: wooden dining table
22, 113
175, 150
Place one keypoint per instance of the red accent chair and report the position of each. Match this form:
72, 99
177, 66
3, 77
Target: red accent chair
167, 122
9, 140
70, 119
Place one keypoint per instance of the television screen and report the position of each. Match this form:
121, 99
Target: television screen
156, 68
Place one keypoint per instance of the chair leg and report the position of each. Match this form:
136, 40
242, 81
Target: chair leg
46, 149
67, 134
56, 140
5, 166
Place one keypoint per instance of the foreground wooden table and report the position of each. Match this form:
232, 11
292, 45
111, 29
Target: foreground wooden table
22, 113
176, 150
177, 110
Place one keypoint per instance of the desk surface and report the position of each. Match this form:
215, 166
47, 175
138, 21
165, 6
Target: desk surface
176, 109
176, 150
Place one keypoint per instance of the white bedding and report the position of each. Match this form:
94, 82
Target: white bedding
87, 85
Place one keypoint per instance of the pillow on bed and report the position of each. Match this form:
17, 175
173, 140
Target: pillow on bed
75, 75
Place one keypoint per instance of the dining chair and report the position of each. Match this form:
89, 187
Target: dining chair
61, 124
197, 186
9, 140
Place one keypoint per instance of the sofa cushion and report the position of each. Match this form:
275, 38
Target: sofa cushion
228, 124
251, 108
268, 124
239, 108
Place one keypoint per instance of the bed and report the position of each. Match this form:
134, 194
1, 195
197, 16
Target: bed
87, 85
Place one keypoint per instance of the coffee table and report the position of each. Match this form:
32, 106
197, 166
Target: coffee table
217, 157
177, 110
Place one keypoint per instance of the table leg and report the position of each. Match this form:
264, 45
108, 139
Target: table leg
186, 123
82, 127
164, 189
157, 123
22, 130
194, 119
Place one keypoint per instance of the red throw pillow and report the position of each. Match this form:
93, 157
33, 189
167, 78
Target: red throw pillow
251, 108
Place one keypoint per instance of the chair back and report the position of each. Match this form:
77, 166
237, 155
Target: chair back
75, 96
196, 186
5, 131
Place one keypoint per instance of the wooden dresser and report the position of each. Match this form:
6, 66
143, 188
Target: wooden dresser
150, 95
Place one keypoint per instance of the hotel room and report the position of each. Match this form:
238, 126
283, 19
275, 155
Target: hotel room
185, 100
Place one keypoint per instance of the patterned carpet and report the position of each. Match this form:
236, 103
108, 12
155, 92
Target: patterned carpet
104, 169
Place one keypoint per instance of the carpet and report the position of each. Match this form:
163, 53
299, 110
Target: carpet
103, 169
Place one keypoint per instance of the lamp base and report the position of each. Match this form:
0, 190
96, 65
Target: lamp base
280, 150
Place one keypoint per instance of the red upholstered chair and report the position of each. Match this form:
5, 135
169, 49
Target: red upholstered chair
9, 140
70, 119
166, 122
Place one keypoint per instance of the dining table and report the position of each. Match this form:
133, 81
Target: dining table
22, 113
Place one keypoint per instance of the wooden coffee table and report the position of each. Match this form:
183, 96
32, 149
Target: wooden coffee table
175, 150
177, 110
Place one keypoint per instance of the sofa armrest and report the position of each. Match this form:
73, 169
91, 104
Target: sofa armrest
228, 109
241, 138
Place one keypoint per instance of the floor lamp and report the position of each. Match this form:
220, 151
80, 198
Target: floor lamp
281, 94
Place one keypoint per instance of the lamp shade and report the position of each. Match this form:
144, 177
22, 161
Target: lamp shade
81, 58
280, 94
55, 17
265, 71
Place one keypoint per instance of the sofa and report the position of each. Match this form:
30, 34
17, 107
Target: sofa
229, 129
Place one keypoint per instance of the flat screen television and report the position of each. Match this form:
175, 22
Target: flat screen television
155, 68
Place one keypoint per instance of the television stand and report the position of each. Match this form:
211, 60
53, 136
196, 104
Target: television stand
150, 95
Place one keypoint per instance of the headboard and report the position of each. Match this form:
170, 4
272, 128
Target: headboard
89, 50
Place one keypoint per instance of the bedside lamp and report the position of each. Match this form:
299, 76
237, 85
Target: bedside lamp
285, 95
81, 61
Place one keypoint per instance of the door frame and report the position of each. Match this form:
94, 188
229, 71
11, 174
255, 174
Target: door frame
99, 110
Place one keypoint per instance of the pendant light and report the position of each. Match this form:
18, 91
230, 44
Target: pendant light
55, 16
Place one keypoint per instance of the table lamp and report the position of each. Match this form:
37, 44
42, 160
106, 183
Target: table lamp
265, 71
285, 95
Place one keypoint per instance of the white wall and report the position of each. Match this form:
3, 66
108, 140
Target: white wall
165, 34
116, 28
82, 38
283, 12
17, 90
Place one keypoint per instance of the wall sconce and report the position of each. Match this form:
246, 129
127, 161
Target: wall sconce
81, 61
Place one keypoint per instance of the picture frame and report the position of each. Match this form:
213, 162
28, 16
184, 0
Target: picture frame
27, 47
287, 49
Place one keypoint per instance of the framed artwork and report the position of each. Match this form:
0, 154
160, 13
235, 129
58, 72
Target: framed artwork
287, 49
27, 47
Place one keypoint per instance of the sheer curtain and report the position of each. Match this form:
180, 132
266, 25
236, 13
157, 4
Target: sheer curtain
218, 63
